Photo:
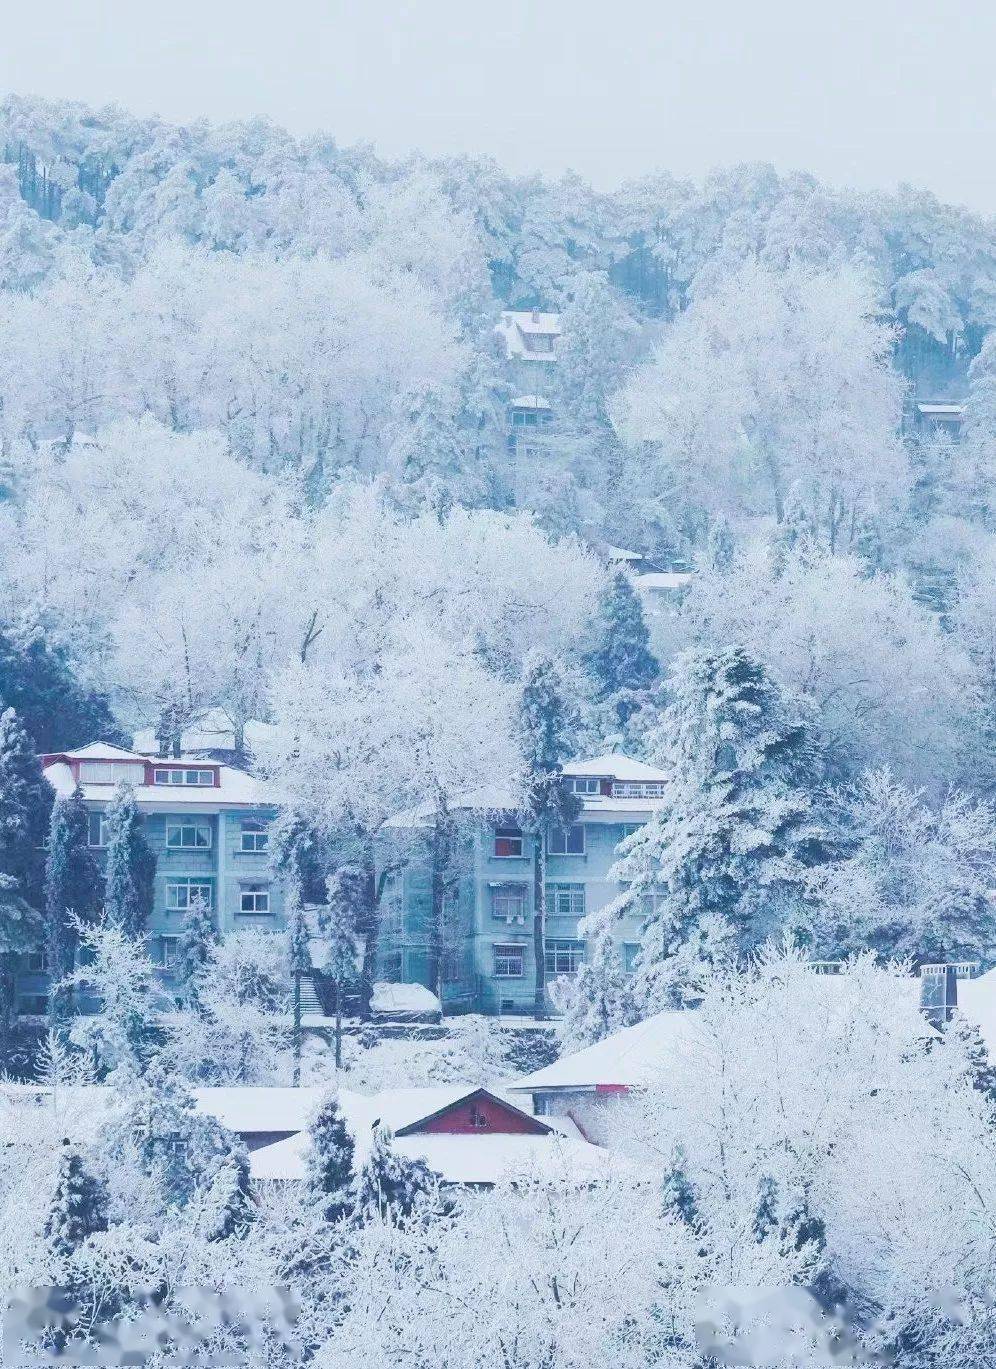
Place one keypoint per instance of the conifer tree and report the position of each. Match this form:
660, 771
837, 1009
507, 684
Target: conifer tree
621, 662
797, 533
78, 1206
72, 888
329, 1174
228, 1205
546, 725
131, 865
720, 547
25, 810
602, 1000
980, 1068
391, 1185
337, 923
299, 963
739, 825
194, 947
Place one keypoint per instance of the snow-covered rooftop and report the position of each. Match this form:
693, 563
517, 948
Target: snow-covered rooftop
530, 402
235, 787
614, 765
658, 580
515, 326
629, 1058
928, 407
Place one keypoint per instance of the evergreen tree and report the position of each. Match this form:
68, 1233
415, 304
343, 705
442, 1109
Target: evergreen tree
979, 1066
56, 711
299, 964
131, 865
390, 1185
602, 1000
621, 662
797, 533
678, 1193
228, 1203
25, 810
725, 856
546, 725
194, 948
329, 1175
337, 923
78, 1206
72, 889
720, 547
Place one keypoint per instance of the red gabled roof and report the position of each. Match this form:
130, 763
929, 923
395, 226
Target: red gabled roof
455, 1119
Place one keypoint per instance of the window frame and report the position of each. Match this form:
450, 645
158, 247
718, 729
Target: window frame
174, 883
563, 955
251, 829
189, 824
574, 894
508, 952
587, 785
101, 817
185, 782
512, 893
256, 890
566, 831
511, 835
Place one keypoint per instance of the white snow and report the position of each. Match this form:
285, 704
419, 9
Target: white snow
977, 1001
661, 580
629, 1058
614, 765
235, 789
403, 999
211, 732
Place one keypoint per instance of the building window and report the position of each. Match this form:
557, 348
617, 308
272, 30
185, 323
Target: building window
164, 951
451, 971
566, 900
255, 837
188, 836
33, 1005
563, 957
96, 830
391, 967
566, 841
584, 786
638, 789
508, 842
37, 962
111, 772
254, 899
629, 952
181, 894
509, 901
478, 1119
183, 777
509, 961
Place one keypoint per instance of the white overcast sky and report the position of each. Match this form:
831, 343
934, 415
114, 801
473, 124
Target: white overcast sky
861, 92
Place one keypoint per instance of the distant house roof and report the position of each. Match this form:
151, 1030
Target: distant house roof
614, 554
630, 1058
516, 325
235, 788
615, 765
663, 580
530, 402
933, 408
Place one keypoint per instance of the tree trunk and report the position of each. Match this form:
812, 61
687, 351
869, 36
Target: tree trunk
442, 852
370, 931
297, 1029
338, 1025
539, 926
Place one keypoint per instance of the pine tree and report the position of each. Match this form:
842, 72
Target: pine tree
391, 1185
72, 888
621, 662
299, 963
797, 533
78, 1207
979, 1066
194, 948
602, 1001
337, 923
546, 725
678, 1193
720, 547
54, 709
25, 810
329, 1175
131, 865
727, 852
228, 1203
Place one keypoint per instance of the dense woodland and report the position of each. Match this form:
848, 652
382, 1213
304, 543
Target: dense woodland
254, 457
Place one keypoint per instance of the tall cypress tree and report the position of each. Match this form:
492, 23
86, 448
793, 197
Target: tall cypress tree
25, 809
621, 661
390, 1184
78, 1207
72, 886
329, 1174
195, 946
546, 725
131, 865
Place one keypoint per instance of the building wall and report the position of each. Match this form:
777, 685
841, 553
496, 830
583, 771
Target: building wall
478, 986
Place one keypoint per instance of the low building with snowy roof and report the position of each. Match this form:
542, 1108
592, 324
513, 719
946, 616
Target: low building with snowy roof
207, 824
529, 336
488, 960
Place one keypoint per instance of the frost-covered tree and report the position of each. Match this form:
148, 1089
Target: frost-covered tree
547, 725
78, 1205
123, 996
914, 877
130, 869
329, 1169
390, 1185
298, 964
25, 808
195, 947
72, 889
601, 999
620, 661
740, 824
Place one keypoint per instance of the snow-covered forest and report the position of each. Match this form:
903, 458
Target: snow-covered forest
259, 463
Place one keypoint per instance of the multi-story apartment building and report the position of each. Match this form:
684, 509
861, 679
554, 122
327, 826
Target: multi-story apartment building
488, 963
207, 824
